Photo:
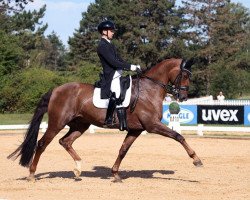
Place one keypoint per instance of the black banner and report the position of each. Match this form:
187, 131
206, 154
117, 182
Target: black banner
220, 114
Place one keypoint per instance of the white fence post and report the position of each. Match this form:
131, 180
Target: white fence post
174, 123
200, 129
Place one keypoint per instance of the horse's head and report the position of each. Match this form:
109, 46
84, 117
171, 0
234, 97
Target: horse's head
175, 71
180, 79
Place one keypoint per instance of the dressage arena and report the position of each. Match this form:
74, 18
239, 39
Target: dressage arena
154, 168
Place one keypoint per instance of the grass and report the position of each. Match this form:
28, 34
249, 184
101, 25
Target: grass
13, 119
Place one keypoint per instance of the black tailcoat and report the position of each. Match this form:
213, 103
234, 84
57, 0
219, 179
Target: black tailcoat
111, 62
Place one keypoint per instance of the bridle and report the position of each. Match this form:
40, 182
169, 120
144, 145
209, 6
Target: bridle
173, 88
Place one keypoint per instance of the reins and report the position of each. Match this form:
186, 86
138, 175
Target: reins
138, 74
173, 88
170, 88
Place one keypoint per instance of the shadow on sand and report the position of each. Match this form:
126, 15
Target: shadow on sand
105, 173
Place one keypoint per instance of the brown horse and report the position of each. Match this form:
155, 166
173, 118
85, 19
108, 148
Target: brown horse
71, 104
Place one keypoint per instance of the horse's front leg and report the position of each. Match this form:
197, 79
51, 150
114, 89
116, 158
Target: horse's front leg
162, 129
128, 141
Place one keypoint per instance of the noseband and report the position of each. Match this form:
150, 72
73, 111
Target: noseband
175, 88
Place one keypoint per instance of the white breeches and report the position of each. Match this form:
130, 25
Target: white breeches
115, 85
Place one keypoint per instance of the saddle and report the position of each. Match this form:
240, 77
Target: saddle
122, 101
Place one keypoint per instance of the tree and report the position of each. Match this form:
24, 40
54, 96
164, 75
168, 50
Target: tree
55, 52
11, 54
25, 31
30, 31
24, 53
13, 5
146, 30
217, 30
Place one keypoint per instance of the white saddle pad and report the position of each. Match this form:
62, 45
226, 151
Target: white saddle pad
103, 103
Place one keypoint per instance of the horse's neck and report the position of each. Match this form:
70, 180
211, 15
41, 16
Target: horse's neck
158, 77
159, 72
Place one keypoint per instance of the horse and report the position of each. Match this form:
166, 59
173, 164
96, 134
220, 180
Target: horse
72, 104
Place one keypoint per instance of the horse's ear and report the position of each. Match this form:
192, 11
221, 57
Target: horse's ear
186, 65
183, 63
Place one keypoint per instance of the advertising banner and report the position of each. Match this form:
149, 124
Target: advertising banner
247, 115
187, 114
220, 114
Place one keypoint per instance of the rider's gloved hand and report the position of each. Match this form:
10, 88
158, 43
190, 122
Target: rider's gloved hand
135, 67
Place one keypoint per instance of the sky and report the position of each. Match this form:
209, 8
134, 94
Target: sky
63, 16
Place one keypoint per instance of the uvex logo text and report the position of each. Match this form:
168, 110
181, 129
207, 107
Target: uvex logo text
220, 114
224, 115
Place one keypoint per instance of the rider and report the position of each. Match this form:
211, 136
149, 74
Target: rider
112, 65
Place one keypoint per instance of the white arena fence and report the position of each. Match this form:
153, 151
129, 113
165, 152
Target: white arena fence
199, 128
209, 101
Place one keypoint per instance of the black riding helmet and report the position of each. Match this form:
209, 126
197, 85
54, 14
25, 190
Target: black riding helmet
106, 25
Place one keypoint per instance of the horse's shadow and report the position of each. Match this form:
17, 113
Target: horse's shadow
105, 173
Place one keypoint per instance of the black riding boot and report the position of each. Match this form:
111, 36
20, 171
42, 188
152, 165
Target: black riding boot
110, 110
122, 116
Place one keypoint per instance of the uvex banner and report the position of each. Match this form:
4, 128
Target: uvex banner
220, 114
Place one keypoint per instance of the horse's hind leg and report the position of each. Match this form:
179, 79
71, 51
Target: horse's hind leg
41, 146
128, 141
67, 141
161, 129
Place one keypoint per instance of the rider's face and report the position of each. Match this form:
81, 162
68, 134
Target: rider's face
111, 34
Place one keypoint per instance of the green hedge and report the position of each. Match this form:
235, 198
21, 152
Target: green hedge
21, 91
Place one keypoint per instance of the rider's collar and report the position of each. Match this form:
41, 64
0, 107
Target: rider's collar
107, 39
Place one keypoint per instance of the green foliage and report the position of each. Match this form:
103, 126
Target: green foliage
225, 80
54, 53
220, 31
174, 108
21, 91
231, 82
88, 73
14, 5
29, 21
10, 54
146, 30
21, 38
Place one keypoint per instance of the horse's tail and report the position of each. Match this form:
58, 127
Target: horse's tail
27, 149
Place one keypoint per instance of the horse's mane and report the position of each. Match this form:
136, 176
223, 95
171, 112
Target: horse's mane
153, 64
147, 68
184, 63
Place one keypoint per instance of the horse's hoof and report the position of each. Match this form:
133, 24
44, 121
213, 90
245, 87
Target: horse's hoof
31, 179
77, 173
117, 179
198, 163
